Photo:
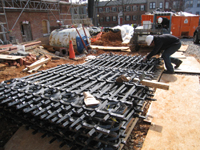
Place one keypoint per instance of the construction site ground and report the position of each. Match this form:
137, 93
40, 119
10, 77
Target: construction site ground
173, 119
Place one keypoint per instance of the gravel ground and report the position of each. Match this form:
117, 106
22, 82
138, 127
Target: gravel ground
193, 49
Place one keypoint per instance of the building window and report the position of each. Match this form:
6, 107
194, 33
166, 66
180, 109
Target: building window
128, 8
189, 3
174, 4
197, 13
100, 9
114, 18
161, 5
107, 18
142, 7
166, 5
152, 5
45, 27
198, 3
114, 9
128, 18
101, 19
134, 17
134, 7
107, 9
120, 8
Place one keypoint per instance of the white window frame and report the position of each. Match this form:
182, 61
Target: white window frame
134, 17
107, 9
198, 3
120, 8
128, 8
128, 18
191, 3
107, 19
152, 5
166, 5
135, 7
160, 5
100, 9
48, 28
142, 7
114, 9
114, 18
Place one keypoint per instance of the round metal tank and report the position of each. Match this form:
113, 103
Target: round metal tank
61, 37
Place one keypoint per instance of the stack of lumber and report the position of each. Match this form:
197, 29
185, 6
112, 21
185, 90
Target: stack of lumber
36, 65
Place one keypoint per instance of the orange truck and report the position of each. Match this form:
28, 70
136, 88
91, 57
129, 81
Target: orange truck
181, 26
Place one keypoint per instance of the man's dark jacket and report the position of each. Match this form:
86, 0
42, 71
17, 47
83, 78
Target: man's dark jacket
163, 42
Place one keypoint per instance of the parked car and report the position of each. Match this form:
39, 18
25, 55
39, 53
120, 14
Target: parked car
196, 35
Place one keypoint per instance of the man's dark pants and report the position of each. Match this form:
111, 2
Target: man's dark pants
167, 59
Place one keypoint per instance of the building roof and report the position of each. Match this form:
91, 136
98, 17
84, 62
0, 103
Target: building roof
119, 2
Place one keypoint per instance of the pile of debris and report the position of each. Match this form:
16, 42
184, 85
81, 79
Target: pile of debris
21, 55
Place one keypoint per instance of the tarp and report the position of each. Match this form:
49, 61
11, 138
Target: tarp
126, 32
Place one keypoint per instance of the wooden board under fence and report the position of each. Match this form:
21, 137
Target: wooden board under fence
109, 47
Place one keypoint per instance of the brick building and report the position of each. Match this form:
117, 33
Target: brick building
28, 20
112, 13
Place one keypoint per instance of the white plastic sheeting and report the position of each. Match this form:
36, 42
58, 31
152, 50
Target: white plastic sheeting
126, 32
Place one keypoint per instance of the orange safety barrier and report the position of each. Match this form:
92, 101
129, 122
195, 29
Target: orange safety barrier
97, 37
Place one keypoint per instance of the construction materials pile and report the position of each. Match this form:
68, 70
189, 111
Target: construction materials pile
53, 102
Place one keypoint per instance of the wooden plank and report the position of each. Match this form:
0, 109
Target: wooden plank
126, 50
173, 113
10, 57
149, 117
155, 84
5, 46
189, 65
179, 55
129, 132
183, 48
38, 64
109, 47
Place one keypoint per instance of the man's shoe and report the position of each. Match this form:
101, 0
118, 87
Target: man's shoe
178, 64
168, 72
